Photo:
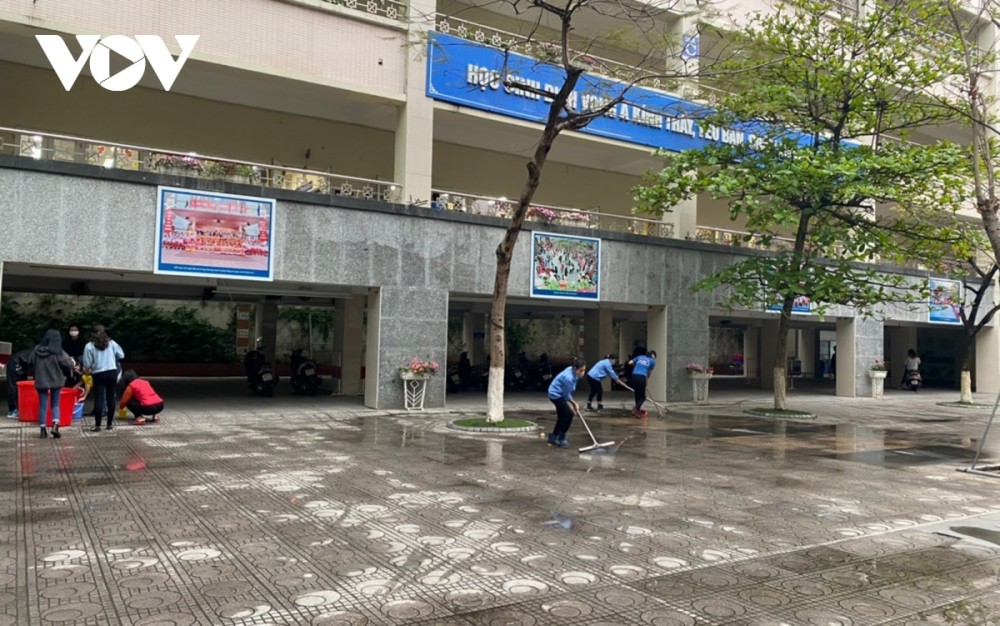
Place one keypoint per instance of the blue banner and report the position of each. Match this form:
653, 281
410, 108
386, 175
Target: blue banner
469, 74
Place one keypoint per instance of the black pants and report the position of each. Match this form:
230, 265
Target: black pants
639, 384
104, 395
564, 417
12, 393
138, 410
596, 389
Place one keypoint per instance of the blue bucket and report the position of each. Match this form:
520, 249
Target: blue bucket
78, 411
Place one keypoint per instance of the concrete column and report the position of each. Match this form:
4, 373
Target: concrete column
859, 344
807, 352
987, 364
767, 360
474, 336
656, 340
626, 340
415, 125
348, 338
597, 342
403, 323
687, 328
901, 339
683, 216
267, 319
751, 353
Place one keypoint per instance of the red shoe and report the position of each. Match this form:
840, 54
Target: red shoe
636, 414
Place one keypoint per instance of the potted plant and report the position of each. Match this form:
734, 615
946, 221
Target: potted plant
878, 371
233, 172
415, 375
700, 375
417, 369
178, 165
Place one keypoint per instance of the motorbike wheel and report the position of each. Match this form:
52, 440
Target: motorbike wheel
268, 392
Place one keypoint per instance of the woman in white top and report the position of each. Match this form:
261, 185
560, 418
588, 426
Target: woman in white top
912, 364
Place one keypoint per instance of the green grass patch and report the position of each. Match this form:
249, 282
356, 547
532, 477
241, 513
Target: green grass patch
480, 422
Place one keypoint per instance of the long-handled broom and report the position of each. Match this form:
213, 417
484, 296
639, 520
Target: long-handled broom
596, 445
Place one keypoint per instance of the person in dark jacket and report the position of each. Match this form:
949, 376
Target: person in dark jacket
17, 370
73, 345
51, 364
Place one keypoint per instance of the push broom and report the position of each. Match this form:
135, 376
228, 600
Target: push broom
595, 445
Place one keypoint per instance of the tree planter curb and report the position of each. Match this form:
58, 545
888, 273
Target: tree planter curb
494, 429
791, 415
964, 405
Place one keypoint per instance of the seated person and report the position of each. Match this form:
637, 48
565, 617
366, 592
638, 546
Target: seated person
140, 399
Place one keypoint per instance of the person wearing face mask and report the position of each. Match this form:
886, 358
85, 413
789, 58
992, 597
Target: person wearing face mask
73, 345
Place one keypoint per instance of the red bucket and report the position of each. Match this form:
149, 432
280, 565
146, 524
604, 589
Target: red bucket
27, 402
27, 405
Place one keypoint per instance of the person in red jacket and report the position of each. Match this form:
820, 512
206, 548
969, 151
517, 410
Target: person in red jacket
140, 399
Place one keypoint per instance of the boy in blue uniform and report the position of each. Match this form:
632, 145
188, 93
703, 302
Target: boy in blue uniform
601, 370
561, 394
642, 364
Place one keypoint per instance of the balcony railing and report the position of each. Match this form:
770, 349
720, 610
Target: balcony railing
391, 9
109, 155
547, 51
503, 208
740, 239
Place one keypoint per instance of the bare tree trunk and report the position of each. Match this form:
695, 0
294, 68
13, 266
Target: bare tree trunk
781, 350
505, 253
785, 320
966, 375
554, 124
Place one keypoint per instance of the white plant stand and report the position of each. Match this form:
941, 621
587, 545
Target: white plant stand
414, 390
878, 383
699, 385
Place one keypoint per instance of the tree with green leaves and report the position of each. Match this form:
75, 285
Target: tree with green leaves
819, 95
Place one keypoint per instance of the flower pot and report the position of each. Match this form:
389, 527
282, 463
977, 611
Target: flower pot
699, 386
414, 390
878, 382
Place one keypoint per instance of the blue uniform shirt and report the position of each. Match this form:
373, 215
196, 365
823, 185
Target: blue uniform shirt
643, 365
602, 369
563, 385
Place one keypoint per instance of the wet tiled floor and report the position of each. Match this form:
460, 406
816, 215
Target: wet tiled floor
316, 511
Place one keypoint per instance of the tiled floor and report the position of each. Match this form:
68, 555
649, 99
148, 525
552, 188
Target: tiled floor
316, 511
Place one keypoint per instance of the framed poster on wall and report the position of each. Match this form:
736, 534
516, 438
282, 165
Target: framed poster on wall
945, 302
200, 233
565, 266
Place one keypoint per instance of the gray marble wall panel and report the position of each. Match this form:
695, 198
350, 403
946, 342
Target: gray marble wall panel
869, 338
414, 323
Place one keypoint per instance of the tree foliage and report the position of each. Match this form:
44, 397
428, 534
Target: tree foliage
820, 95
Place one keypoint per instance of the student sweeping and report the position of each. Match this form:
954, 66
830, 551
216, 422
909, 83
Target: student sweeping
602, 369
561, 394
642, 364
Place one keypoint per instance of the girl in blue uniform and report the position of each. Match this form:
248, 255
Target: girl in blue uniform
601, 370
642, 364
561, 394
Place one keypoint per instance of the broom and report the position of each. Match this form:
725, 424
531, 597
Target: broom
595, 445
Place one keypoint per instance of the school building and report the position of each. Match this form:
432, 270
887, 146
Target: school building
369, 150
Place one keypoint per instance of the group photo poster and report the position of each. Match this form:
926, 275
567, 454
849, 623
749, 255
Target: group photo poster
565, 266
946, 300
212, 234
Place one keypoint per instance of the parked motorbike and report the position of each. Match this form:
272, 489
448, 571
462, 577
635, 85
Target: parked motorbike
261, 378
540, 373
913, 379
304, 377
